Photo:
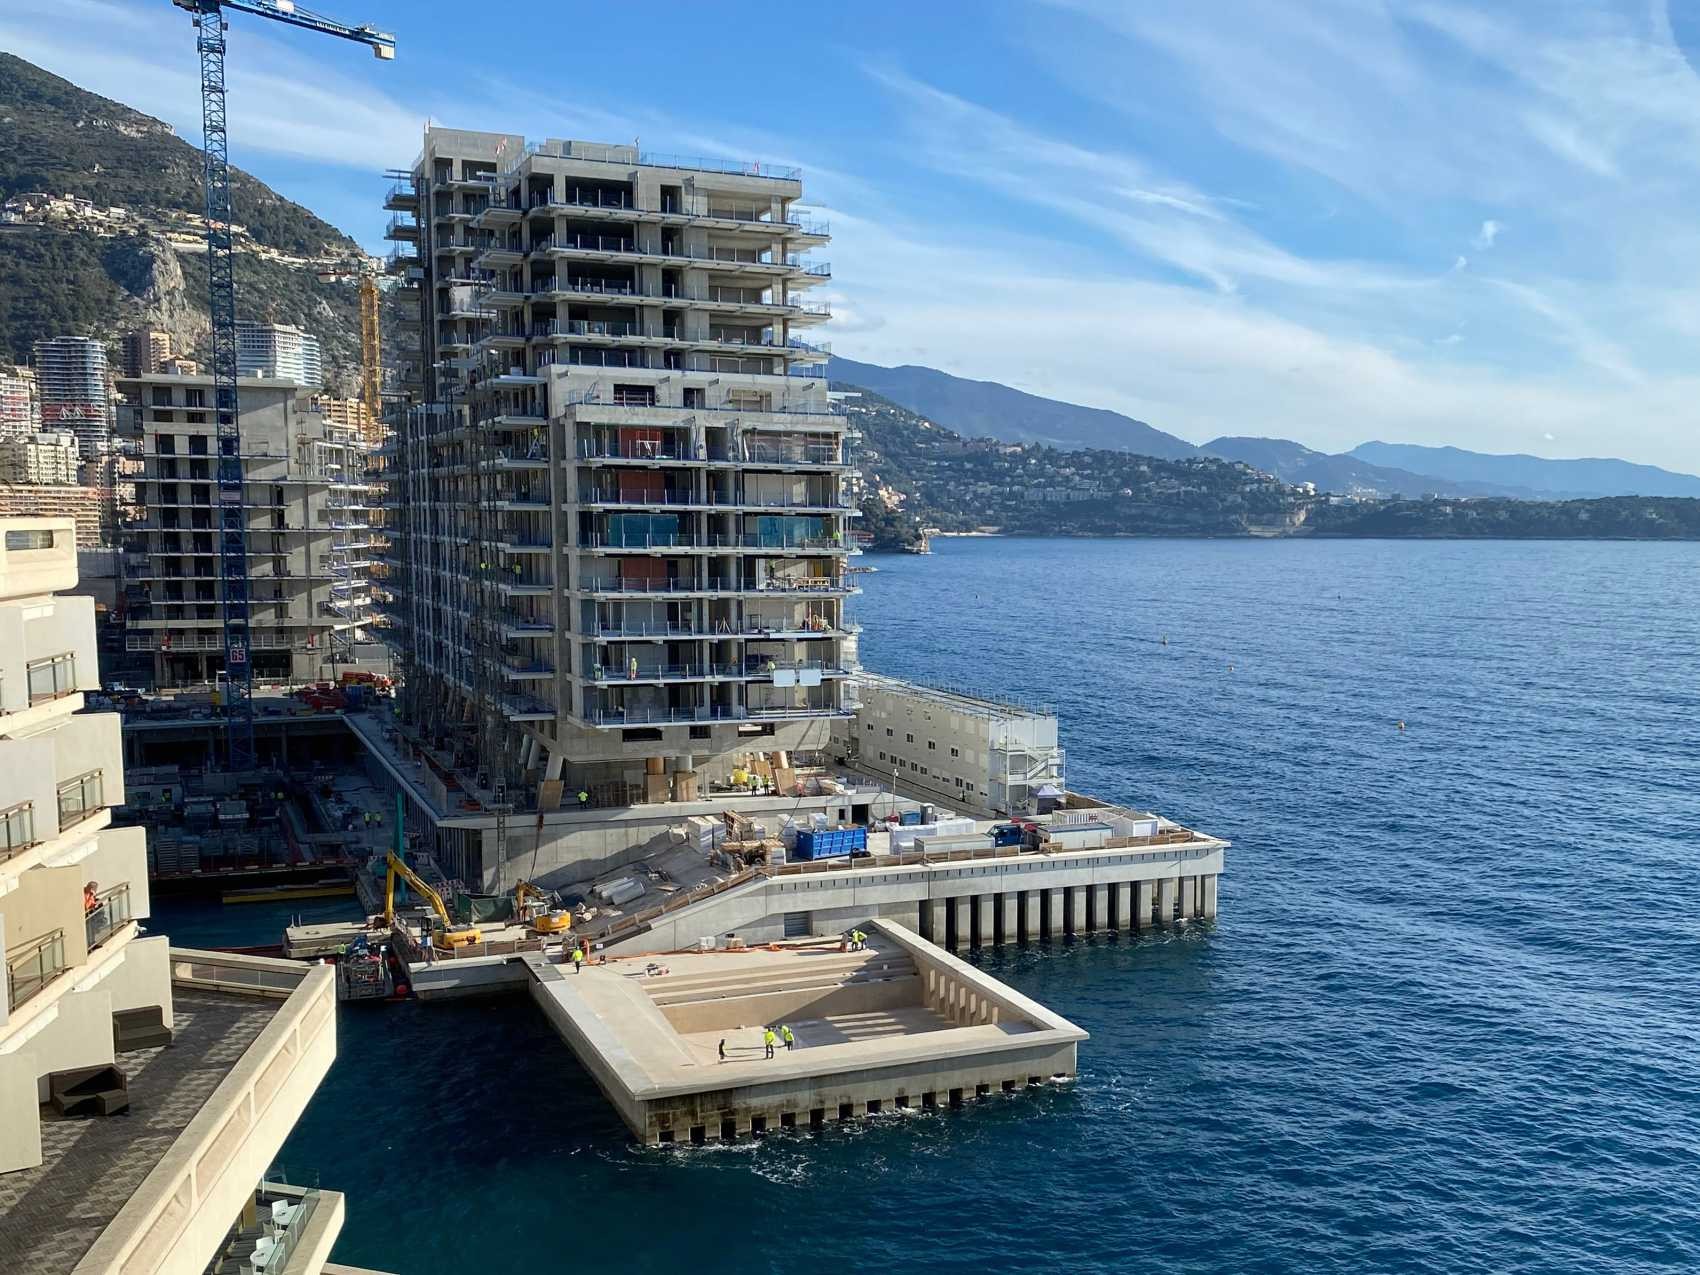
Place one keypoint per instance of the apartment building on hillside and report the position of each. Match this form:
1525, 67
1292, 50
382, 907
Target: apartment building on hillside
19, 411
39, 459
145, 351
278, 352
308, 530
74, 391
144, 1090
622, 501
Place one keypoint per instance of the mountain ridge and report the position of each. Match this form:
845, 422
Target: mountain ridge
134, 258
1581, 478
989, 409
1347, 475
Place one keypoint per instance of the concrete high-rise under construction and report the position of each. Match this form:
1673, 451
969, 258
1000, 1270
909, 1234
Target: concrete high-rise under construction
307, 526
622, 497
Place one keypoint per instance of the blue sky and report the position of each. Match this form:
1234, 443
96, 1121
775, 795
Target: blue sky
1327, 220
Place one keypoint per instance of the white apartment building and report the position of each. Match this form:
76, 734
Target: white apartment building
144, 1090
622, 507
278, 352
74, 391
39, 459
975, 754
19, 411
309, 535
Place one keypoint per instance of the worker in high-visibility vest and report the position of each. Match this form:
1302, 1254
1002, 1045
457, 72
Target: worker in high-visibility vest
769, 1040
785, 1033
578, 959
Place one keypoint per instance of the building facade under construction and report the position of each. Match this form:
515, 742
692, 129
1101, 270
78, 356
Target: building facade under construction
308, 526
621, 495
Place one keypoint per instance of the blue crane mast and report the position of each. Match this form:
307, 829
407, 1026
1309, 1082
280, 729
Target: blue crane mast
221, 306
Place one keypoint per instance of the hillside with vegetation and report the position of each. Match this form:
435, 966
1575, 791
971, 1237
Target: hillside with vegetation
920, 476
135, 258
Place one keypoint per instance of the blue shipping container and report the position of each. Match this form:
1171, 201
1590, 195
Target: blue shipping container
828, 843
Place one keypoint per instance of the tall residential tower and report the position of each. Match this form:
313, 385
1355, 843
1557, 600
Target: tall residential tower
622, 495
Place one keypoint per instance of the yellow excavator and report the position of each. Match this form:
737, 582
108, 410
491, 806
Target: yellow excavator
539, 917
448, 935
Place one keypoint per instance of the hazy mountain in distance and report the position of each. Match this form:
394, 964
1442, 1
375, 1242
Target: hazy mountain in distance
1346, 474
985, 409
1546, 478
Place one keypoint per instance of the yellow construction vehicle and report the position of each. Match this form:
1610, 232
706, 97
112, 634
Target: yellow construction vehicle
531, 905
448, 935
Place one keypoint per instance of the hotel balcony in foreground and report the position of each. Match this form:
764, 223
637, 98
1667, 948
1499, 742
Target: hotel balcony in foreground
144, 1091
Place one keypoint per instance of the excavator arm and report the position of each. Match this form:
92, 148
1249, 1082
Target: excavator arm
399, 869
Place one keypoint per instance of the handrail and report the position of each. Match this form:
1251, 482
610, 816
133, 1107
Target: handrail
47, 951
178, 1196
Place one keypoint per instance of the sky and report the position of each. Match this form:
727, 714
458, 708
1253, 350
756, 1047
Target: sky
1324, 220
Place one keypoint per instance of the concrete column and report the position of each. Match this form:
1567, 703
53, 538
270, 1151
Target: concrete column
557, 760
1123, 891
1143, 892
983, 935
1029, 915
1077, 909
1053, 914
1166, 892
1009, 917
935, 921
1098, 911
964, 921
1208, 885
1189, 898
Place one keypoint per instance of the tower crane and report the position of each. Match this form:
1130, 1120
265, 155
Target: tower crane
371, 346
210, 27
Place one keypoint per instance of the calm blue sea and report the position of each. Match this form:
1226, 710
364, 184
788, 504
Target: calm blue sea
1446, 1021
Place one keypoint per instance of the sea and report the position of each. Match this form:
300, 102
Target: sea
1447, 1019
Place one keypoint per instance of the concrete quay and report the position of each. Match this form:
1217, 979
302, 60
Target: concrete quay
963, 902
901, 1024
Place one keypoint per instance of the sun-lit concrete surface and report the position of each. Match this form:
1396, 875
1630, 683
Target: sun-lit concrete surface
901, 1023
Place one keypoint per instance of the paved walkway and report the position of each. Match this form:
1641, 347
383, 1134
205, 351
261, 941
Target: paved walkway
52, 1214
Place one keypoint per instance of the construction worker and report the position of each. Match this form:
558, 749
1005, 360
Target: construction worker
583, 797
785, 1034
769, 1040
858, 940
578, 958
723, 1049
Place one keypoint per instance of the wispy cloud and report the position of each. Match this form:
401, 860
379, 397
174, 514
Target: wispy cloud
1487, 236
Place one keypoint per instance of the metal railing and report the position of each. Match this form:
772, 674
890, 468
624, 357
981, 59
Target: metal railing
33, 965
247, 975
111, 910
17, 829
52, 677
80, 797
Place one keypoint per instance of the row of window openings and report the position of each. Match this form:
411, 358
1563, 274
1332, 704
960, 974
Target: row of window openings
931, 746
922, 770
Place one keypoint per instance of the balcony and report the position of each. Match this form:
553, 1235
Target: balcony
111, 911
32, 965
81, 798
